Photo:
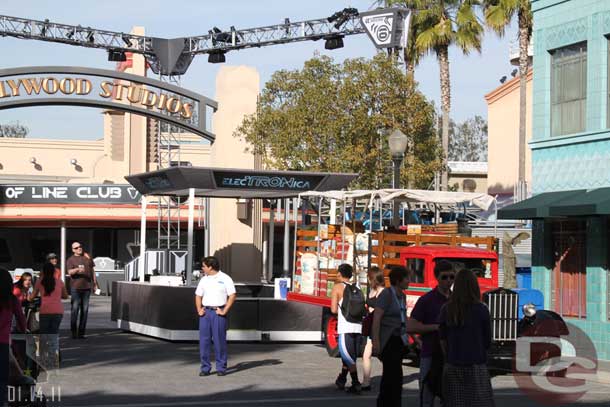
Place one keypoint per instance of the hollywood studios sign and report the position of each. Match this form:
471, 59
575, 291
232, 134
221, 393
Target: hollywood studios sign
77, 86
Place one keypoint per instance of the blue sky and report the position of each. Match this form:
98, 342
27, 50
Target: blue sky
472, 76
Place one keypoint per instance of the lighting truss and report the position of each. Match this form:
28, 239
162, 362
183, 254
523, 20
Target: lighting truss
216, 41
73, 35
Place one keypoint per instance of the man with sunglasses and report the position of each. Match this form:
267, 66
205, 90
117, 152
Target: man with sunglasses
82, 282
426, 314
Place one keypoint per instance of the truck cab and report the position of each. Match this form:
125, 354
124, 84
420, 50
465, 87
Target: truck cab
420, 261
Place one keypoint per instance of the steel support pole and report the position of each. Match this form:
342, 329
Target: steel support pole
271, 239
396, 163
189, 244
286, 270
62, 251
206, 234
141, 263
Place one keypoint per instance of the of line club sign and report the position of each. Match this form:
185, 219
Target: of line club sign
38, 86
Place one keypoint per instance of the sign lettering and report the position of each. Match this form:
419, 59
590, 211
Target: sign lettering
68, 194
31, 86
268, 182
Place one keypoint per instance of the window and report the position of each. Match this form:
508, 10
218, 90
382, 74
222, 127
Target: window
568, 89
417, 268
480, 267
569, 268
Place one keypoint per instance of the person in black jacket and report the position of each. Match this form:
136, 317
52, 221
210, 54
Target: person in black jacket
465, 334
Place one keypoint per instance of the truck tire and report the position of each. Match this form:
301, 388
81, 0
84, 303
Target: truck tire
331, 338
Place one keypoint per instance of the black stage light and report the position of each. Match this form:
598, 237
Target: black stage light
334, 17
514, 73
503, 79
334, 42
126, 39
116, 56
217, 57
69, 34
43, 30
91, 37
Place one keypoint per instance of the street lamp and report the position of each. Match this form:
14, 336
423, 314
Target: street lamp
398, 145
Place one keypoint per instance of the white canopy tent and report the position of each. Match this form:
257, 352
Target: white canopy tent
479, 200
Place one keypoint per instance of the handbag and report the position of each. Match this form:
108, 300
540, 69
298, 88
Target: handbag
367, 324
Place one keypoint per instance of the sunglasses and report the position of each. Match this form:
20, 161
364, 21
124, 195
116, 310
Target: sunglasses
448, 277
77, 247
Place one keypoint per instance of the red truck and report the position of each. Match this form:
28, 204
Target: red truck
419, 254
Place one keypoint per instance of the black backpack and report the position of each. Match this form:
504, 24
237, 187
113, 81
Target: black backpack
352, 307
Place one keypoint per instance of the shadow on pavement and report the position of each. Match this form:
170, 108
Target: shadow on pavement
252, 395
242, 366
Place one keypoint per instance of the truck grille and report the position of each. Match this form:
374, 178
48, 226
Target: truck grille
503, 308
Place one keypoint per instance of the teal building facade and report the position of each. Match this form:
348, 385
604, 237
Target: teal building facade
570, 208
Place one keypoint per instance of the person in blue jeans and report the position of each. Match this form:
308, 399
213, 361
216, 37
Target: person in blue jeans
214, 297
82, 281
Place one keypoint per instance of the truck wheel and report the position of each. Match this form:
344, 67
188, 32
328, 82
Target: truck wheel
331, 338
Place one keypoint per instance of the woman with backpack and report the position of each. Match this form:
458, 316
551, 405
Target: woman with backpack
376, 285
347, 302
51, 290
465, 333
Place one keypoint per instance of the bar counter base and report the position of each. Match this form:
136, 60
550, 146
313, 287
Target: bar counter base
169, 313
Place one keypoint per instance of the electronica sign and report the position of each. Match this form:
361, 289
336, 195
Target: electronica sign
245, 180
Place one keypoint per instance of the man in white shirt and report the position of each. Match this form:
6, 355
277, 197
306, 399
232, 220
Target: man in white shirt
214, 298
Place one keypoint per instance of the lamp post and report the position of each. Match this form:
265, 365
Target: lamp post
398, 145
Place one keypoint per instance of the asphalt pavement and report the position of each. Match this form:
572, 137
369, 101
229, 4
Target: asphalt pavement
116, 368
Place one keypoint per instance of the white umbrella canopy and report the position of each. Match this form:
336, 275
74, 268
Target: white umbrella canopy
479, 200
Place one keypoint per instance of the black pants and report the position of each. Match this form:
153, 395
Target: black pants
390, 391
4, 349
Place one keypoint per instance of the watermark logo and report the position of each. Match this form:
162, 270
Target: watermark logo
554, 363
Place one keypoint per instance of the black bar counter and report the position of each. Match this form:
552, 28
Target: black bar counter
169, 313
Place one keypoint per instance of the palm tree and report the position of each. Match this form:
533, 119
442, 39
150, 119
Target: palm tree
442, 23
435, 26
498, 15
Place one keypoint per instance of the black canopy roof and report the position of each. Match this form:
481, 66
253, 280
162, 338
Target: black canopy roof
236, 183
537, 206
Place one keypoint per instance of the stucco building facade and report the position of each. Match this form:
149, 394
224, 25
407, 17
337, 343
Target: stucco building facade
570, 163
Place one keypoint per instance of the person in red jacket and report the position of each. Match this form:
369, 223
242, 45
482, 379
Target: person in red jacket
9, 307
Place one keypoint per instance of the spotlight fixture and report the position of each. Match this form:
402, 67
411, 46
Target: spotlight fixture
287, 25
69, 34
43, 30
333, 42
91, 37
116, 55
503, 79
217, 57
33, 160
514, 73
221, 36
341, 17
126, 39
73, 161
234, 33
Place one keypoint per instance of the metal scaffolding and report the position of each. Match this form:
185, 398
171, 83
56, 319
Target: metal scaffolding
174, 56
168, 155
